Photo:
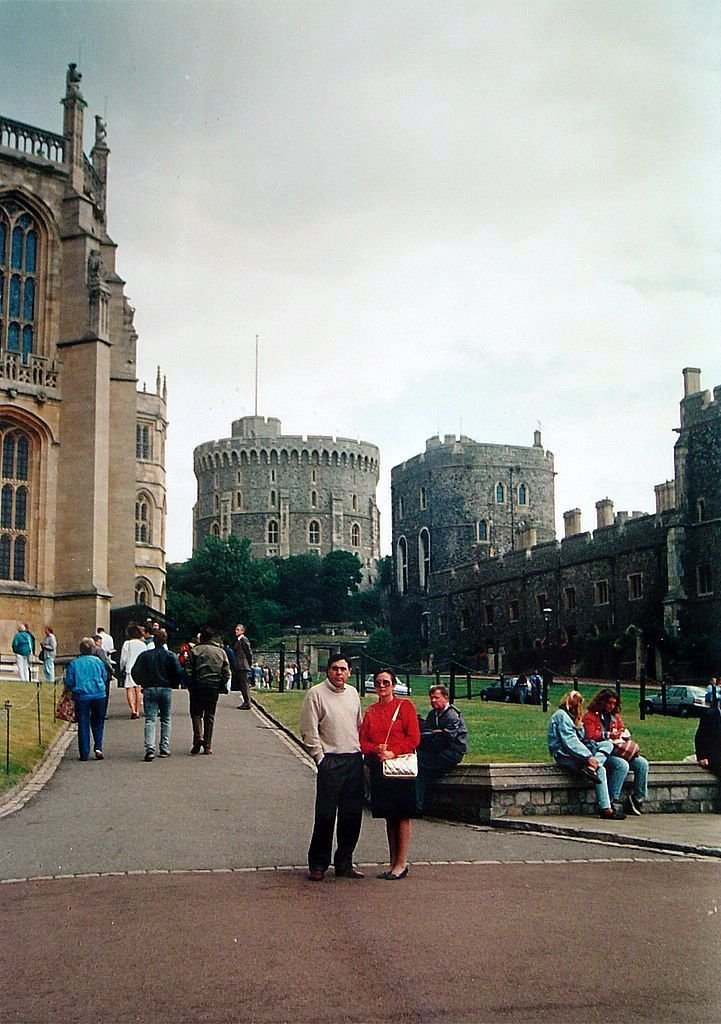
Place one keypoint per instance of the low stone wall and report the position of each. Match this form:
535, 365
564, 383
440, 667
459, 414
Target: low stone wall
484, 793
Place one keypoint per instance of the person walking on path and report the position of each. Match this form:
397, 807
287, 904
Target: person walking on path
208, 673
390, 728
23, 646
85, 678
133, 647
48, 652
243, 662
158, 673
330, 720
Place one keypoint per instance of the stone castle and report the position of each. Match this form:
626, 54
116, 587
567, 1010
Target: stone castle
289, 495
479, 572
82, 510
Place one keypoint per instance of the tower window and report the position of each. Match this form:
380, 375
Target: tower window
355, 535
500, 493
314, 532
273, 531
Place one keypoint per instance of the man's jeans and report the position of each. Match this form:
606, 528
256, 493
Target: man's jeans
157, 699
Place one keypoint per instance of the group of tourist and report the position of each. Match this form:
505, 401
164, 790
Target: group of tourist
596, 743
339, 739
23, 647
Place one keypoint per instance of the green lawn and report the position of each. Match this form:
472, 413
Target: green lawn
26, 748
517, 732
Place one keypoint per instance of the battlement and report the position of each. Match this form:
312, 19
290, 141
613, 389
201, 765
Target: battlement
697, 406
451, 450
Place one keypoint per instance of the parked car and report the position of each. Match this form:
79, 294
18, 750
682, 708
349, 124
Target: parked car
680, 700
400, 689
506, 693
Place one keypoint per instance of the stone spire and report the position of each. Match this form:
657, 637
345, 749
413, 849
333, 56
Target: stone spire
73, 127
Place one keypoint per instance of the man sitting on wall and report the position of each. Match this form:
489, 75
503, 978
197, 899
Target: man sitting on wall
444, 740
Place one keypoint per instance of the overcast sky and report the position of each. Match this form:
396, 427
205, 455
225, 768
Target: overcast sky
438, 217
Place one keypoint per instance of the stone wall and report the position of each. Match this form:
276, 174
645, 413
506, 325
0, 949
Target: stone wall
484, 793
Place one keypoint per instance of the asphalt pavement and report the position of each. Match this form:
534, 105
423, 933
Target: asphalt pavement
176, 891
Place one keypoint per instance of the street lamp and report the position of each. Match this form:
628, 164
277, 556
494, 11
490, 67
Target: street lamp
301, 682
546, 674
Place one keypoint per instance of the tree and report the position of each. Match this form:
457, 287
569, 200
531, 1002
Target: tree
339, 578
224, 582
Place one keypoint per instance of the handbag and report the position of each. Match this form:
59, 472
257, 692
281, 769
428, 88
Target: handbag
627, 749
404, 766
65, 710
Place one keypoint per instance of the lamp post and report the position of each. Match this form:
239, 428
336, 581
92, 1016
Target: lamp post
547, 613
301, 682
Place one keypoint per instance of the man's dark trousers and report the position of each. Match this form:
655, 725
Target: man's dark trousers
432, 764
339, 791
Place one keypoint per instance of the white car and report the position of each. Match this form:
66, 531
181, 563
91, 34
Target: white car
400, 689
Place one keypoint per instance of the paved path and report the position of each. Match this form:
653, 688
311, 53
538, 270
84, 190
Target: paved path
197, 908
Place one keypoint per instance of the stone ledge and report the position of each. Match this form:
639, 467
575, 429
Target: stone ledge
485, 793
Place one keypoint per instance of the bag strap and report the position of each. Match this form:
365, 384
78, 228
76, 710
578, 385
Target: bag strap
395, 715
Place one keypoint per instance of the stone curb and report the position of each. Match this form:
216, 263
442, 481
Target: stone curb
19, 794
617, 839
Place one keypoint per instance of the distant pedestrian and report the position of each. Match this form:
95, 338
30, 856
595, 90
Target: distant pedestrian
208, 673
243, 661
713, 693
48, 652
158, 673
132, 649
106, 641
101, 653
330, 719
23, 646
85, 678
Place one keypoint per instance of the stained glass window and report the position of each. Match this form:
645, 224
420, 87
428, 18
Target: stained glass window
19, 251
14, 502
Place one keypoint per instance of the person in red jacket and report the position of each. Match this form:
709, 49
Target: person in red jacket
603, 721
390, 728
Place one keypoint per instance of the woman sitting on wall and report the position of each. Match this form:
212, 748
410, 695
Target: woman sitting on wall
571, 751
603, 721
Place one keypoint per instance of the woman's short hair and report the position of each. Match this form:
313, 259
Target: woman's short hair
384, 671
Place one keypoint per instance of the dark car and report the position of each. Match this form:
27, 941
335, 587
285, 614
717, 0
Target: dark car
680, 700
506, 692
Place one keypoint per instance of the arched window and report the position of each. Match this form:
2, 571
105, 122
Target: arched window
424, 558
354, 502
522, 494
482, 530
402, 566
272, 499
314, 532
272, 531
143, 520
355, 535
500, 493
14, 502
314, 499
18, 279
142, 593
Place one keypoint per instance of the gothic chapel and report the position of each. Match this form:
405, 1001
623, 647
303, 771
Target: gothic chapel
82, 452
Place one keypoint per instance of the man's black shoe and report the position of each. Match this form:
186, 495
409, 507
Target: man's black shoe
315, 876
349, 873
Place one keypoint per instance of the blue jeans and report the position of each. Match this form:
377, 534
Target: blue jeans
611, 771
90, 715
157, 699
639, 767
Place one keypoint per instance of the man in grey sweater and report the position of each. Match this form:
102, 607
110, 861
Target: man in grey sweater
330, 721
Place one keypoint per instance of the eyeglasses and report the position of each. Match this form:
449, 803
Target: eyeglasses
383, 682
